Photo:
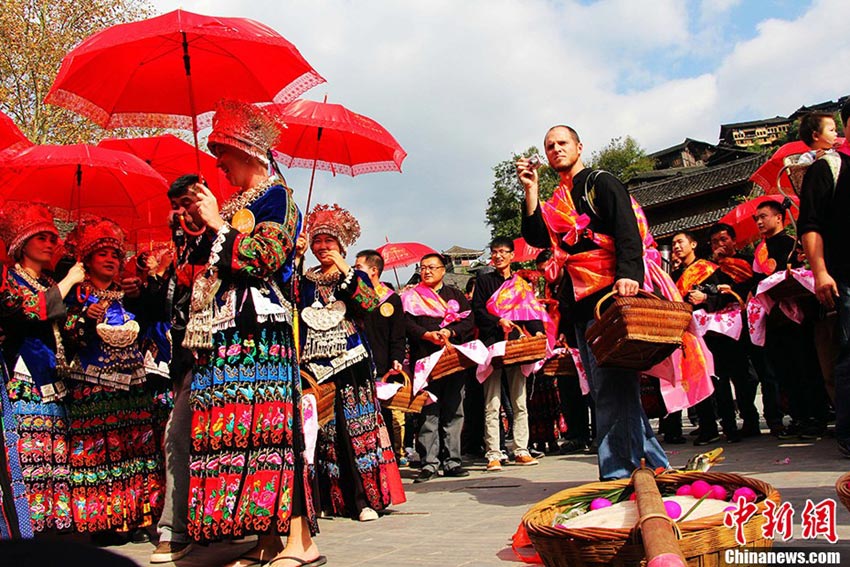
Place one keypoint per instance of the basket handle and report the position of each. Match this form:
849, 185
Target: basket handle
310, 380
403, 375
446, 343
611, 294
735, 296
523, 334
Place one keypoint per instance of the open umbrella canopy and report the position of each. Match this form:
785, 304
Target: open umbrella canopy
400, 254
163, 71
12, 140
523, 251
171, 157
334, 139
85, 179
741, 217
772, 174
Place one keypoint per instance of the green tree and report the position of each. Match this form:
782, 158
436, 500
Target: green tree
623, 157
36, 34
504, 207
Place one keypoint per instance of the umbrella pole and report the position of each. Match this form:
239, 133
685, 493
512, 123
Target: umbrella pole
313, 173
397, 283
187, 65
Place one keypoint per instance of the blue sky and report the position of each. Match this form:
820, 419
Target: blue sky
463, 85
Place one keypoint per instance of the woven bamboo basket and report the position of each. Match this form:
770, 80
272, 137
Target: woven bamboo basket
451, 362
788, 289
525, 349
703, 542
637, 332
561, 365
404, 400
325, 396
842, 487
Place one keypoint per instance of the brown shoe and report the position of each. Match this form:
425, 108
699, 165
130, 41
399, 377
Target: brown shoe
525, 460
168, 551
494, 465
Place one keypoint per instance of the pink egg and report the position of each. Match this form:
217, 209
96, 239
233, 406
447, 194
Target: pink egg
633, 496
729, 509
745, 492
717, 492
700, 488
673, 509
684, 490
599, 503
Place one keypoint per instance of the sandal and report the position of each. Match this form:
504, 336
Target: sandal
320, 560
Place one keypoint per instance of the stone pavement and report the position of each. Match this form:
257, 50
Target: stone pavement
469, 521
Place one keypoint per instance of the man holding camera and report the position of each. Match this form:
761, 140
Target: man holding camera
699, 281
596, 239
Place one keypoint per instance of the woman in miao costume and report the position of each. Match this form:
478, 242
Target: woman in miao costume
116, 462
248, 473
38, 431
357, 470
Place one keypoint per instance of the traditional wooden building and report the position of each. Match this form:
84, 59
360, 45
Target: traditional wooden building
763, 132
461, 258
697, 197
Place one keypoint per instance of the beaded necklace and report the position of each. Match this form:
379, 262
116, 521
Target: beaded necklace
241, 200
31, 280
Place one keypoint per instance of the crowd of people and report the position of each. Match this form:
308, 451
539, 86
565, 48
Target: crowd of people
167, 390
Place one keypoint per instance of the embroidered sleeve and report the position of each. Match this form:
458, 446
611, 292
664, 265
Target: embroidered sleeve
260, 254
33, 303
78, 328
356, 290
10, 297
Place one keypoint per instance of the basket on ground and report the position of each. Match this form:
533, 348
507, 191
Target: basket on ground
842, 487
451, 362
404, 400
638, 332
325, 395
703, 542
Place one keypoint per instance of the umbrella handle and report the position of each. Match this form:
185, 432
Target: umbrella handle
80, 297
187, 230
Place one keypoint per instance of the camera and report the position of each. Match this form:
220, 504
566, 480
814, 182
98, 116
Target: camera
535, 161
708, 289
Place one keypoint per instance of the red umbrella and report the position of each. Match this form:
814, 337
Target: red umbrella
523, 251
400, 254
165, 71
330, 137
171, 157
12, 139
87, 180
741, 217
773, 174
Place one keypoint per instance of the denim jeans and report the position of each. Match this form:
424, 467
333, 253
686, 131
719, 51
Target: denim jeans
178, 440
842, 365
623, 431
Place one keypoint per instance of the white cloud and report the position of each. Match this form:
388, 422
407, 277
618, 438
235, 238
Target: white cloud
461, 85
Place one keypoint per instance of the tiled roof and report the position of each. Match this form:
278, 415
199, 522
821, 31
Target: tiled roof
694, 222
708, 179
461, 251
749, 123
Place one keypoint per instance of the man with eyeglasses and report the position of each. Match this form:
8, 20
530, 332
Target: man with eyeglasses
496, 325
435, 314
789, 347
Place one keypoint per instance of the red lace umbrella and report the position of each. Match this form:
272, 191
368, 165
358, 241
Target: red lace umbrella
741, 217
12, 139
773, 173
86, 179
330, 137
401, 254
523, 251
171, 157
166, 71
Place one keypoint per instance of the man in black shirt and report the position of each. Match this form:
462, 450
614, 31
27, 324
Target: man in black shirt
789, 347
426, 335
588, 221
824, 208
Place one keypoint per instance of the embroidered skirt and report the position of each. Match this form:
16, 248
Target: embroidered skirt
116, 460
247, 473
356, 462
42, 447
